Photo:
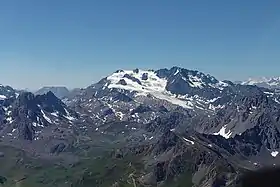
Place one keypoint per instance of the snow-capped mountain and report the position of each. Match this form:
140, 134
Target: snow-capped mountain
176, 80
154, 93
272, 83
178, 86
141, 95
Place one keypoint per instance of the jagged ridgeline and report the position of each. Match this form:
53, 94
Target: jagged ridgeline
166, 127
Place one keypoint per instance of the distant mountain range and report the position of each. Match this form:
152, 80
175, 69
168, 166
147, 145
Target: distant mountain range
272, 83
168, 127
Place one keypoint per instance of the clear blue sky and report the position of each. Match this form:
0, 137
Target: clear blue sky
76, 42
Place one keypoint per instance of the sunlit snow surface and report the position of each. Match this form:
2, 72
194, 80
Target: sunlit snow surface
189, 141
222, 132
46, 117
274, 153
155, 86
152, 84
2, 97
68, 116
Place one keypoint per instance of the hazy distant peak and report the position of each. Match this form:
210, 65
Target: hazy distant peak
272, 82
58, 91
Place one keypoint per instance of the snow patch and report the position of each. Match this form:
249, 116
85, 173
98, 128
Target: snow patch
222, 132
196, 81
46, 117
274, 153
2, 97
37, 124
54, 114
177, 71
189, 141
10, 119
153, 85
120, 115
68, 116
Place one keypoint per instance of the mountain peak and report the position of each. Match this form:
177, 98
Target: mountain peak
192, 78
58, 91
176, 85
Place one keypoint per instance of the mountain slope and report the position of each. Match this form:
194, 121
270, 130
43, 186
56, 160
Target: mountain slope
27, 115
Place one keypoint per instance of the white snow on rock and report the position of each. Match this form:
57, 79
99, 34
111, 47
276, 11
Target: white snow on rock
68, 116
2, 97
177, 71
189, 141
120, 115
195, 81
156, 86
153, 85
54, 114
10, 119
46, 117
222, 132
37, 124
274, 153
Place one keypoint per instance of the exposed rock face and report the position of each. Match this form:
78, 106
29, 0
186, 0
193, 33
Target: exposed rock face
26, 115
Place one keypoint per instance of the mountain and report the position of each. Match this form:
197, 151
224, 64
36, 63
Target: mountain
7, 92
27, 116
166, 127
58, 91
163, 90
209, 106
272, 83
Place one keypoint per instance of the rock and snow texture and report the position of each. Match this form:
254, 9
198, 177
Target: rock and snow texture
7, 92
37, 112
156, 83
144, 82
2, 97
189, 141
141, 81
224, 132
